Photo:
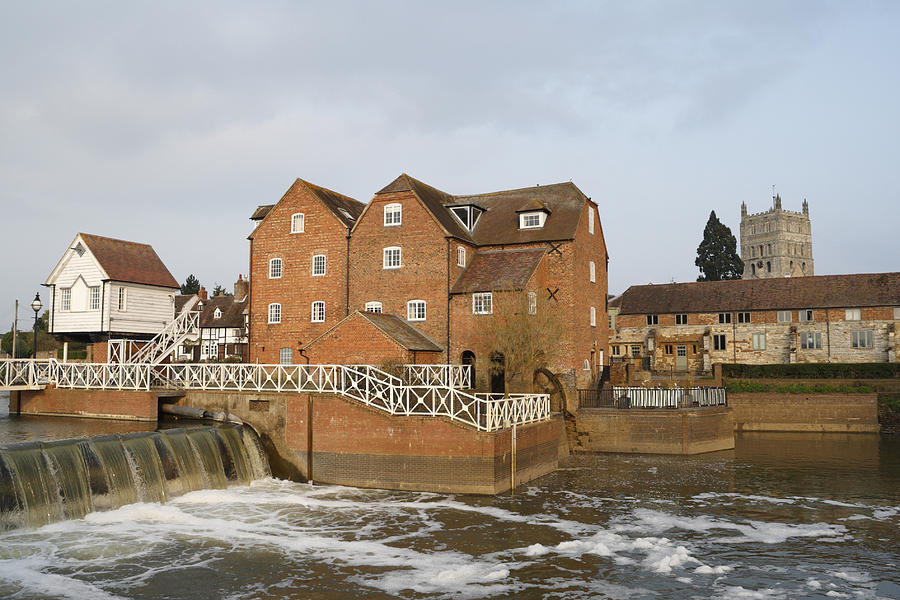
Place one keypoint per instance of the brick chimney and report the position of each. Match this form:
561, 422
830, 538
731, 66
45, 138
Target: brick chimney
202, 294
241, 288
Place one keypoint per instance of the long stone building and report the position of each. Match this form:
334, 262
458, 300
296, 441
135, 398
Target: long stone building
777, 242
689, 326
441, 265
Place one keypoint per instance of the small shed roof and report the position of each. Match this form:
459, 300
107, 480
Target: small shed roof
499, 270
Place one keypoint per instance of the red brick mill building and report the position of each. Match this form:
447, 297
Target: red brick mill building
433, 267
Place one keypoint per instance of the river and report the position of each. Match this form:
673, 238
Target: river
781, 516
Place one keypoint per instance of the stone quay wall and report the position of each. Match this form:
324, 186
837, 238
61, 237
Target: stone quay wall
857, 413
655, 431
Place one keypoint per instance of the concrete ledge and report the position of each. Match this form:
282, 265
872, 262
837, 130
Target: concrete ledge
652, 431
824, 413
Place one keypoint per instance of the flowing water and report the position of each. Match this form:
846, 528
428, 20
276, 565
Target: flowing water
781, 516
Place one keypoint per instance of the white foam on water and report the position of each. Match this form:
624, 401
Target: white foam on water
737, 591
29, 574
836, 594
813, 583
884, 513
751, 497
853, 576
683, 579
536, 550
751, 531
708, 570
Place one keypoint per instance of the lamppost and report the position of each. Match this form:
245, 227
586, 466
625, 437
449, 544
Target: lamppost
36, 306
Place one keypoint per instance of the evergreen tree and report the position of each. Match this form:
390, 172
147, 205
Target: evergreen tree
220, 290
717, 254
191, 285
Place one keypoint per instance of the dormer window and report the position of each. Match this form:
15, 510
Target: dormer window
532, 220
217, 314
468, 215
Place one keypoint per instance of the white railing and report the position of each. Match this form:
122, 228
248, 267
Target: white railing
103, 376
364, 383
25, 372
455, 376
635, 397
185, 325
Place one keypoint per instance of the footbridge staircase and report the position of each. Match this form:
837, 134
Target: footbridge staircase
183, 328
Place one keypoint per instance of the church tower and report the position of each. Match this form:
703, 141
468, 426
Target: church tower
777, 242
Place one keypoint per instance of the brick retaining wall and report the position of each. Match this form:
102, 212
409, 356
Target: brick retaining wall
96, 404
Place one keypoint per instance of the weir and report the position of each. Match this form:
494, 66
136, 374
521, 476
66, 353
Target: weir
43, 482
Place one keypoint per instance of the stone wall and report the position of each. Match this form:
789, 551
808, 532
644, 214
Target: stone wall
856, 413
655, 431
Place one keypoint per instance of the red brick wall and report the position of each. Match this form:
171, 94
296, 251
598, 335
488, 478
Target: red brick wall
297, 289
111, 404
424, 255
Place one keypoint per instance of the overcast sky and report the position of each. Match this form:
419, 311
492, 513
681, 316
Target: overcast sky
168, 123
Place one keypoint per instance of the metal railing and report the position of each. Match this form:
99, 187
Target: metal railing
455, 376
364, 383
636, 397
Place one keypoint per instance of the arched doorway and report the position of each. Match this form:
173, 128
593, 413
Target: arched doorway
498, 373
468, 358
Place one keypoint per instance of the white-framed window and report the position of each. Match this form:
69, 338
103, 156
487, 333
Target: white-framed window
318, 312
862, 338
592, 268
652, 319
724, 318
681, 319
65, 299
635, 351
759, 341
274, 268
805, 316
393, 214
590, 221
532, 303
122, 292
897, 313
587, 365
811, 340
318, 265
852, 314
482, 303
784, 316
275, 313
286, 356
217, 314
593, 317
460, 256
95, 297
743, 317
616, 350
298, 222
719, 341
532, 220
374, 307
392, 258
415, 310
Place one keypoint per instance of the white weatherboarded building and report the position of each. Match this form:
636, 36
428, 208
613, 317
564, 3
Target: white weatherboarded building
103, 287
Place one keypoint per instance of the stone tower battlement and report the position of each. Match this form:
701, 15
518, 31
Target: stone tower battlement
776, 242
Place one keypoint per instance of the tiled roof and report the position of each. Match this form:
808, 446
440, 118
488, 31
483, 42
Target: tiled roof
499, 270
129, 262
401, 331
232, 312
344, 208
183, 300
821, 291
261, 211
499, 224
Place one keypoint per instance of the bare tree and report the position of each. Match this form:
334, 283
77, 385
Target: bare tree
526, 331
